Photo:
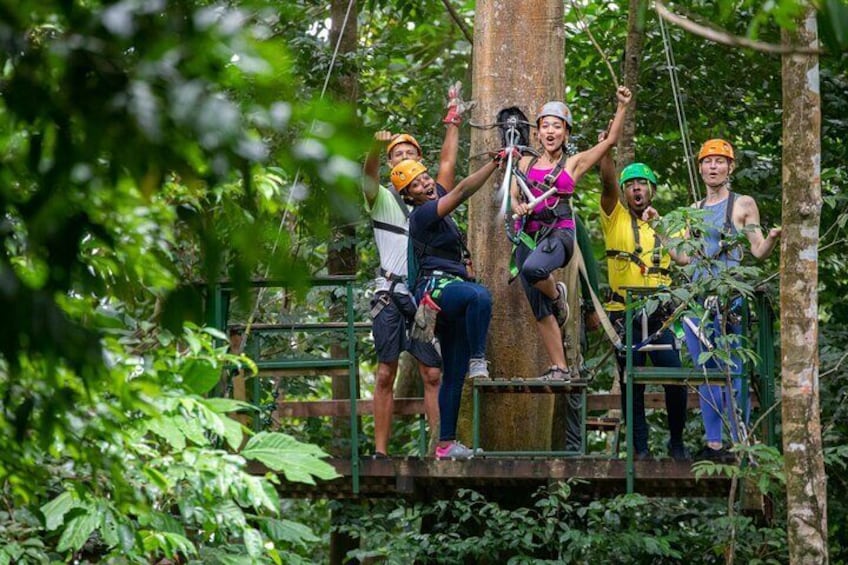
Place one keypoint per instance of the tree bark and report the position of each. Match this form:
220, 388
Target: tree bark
505, 32
630, 79
802, 444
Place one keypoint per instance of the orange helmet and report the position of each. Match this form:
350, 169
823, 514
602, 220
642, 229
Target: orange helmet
403, 138
716, 147
405, 172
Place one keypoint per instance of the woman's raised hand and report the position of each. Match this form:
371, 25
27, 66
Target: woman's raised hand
624, 95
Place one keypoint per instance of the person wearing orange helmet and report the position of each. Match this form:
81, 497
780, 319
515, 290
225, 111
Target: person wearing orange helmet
726, 214
550, 223
393, 305
445, 283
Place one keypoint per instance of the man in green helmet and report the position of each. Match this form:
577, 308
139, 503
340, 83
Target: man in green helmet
636, 258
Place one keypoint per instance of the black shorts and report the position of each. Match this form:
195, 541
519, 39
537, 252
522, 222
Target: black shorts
391, 336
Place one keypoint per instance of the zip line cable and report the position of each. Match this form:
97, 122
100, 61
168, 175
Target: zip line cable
694, 191
261, 292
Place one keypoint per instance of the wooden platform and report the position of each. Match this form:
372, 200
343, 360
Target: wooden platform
496, 478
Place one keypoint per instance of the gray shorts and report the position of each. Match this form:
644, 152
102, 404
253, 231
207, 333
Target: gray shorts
391, 336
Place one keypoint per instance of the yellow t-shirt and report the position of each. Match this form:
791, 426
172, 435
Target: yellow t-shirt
623, 271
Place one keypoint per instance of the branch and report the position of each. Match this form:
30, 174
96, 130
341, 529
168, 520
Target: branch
834, 368
724, 38
595, 43
458, 20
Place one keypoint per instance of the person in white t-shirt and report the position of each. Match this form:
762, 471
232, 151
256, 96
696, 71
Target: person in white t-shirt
393, 306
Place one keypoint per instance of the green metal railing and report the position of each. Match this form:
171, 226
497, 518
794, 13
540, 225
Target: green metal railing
537, 386
218, 299
694, 377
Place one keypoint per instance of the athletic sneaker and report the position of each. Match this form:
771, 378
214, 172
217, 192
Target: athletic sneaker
720, 455
478, 368
560, 304
679, 452
454, 450
555, 373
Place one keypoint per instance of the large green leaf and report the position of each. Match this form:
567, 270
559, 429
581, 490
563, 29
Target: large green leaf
299, 462
288, 531
253, 542
55, 510
226, 405
233, 433
200, 376
77, 531
165, 428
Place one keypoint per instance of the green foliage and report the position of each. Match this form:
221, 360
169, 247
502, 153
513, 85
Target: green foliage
555, 528
166, 486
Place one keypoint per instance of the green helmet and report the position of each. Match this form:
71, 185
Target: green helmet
637, 171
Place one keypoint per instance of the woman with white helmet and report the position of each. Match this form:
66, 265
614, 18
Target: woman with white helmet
550, 223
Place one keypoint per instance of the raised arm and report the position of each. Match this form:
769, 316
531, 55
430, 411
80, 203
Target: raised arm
585, 160
453, 119
465, 189
371, 169
447, 158
761, 247
609, 184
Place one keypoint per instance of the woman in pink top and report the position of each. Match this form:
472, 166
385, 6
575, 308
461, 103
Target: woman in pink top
550, 223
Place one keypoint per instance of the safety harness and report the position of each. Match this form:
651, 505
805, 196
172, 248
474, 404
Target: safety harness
384, 297
547, 218
378, 225
726, 231
635, 256
562, 208
460, 255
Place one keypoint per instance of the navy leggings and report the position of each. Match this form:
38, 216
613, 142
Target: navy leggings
675, 395
461, 327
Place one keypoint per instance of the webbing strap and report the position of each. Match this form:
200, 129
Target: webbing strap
727, 228
403, 207
599, 308
378, 225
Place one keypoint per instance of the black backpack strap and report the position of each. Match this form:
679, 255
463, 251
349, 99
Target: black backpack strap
403, 207
378, 225
728, 214
422, 249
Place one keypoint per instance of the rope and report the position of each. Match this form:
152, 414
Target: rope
261, 292
694, 191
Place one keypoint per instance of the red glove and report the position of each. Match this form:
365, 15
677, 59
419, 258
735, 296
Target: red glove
453, 116
501, 156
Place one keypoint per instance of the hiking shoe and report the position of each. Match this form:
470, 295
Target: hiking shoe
379, 455
642, 455
679, 453
556, 374
454, 450
560, 304
478, 368
720, 455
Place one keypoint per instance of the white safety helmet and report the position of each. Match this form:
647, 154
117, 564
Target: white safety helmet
558, 110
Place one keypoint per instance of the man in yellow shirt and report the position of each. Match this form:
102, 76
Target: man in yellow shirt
635, 257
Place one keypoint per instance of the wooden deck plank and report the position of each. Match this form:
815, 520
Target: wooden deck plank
428, 479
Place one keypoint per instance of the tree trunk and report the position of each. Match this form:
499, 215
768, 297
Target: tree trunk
802, 443
342, 256
505, 33
630, 78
